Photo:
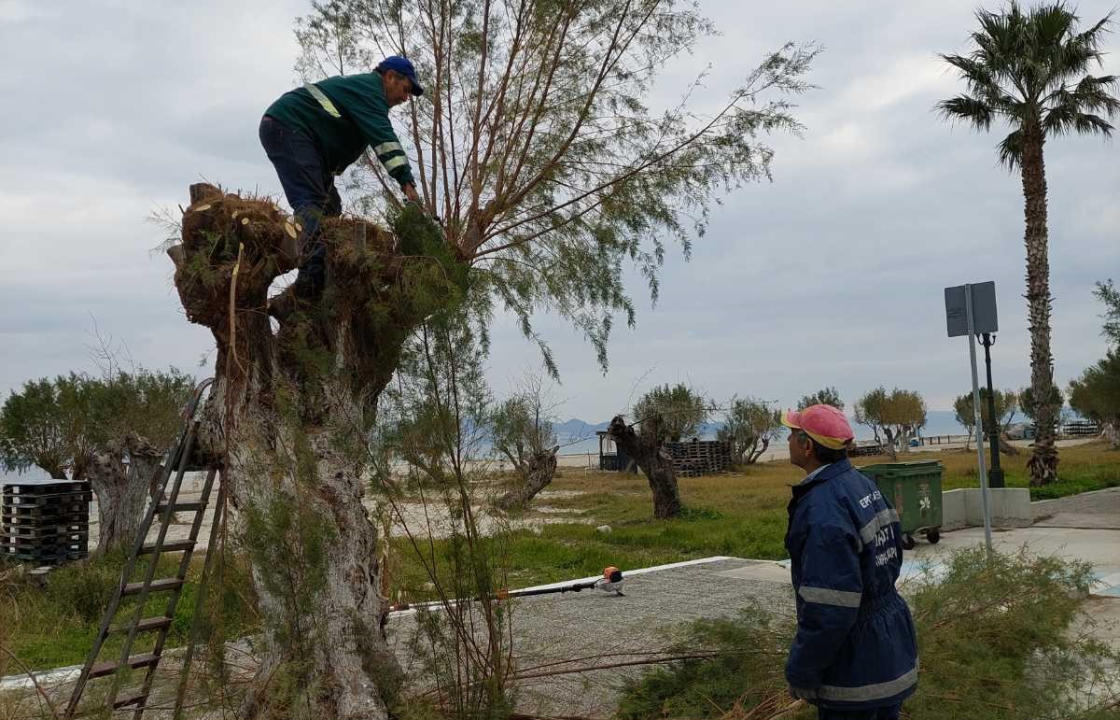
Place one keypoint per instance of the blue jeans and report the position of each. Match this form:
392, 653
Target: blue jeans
309, 186
883, 713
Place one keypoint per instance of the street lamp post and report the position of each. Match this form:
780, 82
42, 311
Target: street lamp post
995, 474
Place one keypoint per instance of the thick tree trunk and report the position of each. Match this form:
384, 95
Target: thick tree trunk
1043, 464
536, 474
122, 489
288, 418
891, 443
1111, 432
755, 451
646, 449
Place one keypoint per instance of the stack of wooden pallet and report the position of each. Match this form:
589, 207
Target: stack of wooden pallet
699, 457
45, 523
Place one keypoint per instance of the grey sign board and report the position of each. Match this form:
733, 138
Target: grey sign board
983, 308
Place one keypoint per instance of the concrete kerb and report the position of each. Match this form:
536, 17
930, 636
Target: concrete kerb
1011, 507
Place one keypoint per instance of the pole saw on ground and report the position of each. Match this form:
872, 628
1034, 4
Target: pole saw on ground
610, 582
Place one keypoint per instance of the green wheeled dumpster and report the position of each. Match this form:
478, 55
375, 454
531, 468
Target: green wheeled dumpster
914, 489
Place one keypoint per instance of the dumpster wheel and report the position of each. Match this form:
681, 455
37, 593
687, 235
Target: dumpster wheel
933, 535
907, 541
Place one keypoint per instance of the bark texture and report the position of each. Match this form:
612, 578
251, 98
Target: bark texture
122, 488
1043, 463
536, 473
288, 419
646, 448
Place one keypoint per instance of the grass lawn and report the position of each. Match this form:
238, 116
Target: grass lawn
741, 514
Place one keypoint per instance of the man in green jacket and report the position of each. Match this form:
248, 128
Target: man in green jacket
315, 132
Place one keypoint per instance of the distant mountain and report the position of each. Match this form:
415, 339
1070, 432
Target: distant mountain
576, 429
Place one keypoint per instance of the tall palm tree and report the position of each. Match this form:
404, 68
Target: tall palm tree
1030, 70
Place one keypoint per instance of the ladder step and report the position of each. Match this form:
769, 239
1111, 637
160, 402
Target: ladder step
180, 507
145, 625
177, 546
156, 586
131, 700
109, 667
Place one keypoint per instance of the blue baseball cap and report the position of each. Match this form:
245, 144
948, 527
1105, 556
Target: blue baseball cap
404, 66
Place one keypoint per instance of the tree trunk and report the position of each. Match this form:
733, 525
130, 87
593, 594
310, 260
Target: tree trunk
647, 450
890, 444
288, 418
122, 489
1043, 464
536, 475
756, 451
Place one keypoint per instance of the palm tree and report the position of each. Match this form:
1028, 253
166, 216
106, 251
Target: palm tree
1030, 70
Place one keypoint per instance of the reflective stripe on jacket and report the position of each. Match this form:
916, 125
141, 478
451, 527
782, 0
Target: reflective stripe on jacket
344, 115
855, 645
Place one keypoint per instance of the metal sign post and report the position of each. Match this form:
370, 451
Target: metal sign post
978, 303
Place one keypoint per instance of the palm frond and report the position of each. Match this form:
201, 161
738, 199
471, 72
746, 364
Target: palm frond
1031, 67
970, 109
1011, 150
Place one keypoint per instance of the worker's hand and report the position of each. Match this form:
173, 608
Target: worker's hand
411, 194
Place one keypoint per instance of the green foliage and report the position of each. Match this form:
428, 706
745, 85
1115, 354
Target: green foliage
1007, 404
522, 425
431, 427
1096, 394
682, 410
825, 396
740, 661
1107, 293
54, 624
994, 638
286, 541
750, 424
1027, 404
897, 414
56, 424
1030, 71
551, 188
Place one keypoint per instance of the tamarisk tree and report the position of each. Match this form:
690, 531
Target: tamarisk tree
534, 144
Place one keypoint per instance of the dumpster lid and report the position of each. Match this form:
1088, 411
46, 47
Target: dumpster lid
914, 467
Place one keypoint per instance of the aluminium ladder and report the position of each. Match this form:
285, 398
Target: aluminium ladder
141, 583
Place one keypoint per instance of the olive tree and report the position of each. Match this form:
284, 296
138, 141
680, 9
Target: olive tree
750, 425
536, 147
825, 396
1006, 402
112, 431
681, 410
523, 432
1096, 395
894, 416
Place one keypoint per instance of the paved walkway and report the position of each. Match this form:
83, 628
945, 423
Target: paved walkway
1091, 510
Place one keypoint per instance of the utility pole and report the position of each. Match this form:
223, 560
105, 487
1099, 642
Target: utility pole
995, 474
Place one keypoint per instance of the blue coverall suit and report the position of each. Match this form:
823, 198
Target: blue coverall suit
855, 654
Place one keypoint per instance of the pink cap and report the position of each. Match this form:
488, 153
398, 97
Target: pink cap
824, 423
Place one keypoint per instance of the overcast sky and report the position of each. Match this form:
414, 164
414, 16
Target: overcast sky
831, 275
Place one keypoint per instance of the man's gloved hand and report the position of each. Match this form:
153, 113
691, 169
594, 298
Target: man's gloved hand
802, 693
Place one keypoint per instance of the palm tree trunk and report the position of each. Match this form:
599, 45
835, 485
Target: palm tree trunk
1043, 464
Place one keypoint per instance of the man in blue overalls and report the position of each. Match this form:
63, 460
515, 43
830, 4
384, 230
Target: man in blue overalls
855, 655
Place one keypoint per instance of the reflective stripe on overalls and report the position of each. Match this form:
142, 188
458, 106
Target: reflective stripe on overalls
323, 99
